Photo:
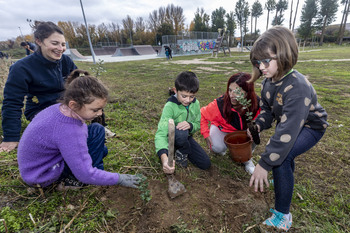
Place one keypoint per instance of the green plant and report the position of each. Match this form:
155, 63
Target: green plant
240, 96
98, 69
143, 187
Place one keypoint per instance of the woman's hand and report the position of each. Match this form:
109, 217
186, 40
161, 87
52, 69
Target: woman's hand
8, 146
209, 142
258, 178
183, 125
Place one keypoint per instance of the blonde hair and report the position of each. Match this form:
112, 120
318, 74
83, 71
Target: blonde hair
280, 41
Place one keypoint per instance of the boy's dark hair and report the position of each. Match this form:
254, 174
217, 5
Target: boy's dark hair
187, 81
24, 43
83, 89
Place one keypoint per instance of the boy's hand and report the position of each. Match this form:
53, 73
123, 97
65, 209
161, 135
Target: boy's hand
166, 168
131, 181
183, 125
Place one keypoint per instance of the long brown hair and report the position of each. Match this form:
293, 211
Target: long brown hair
241, 79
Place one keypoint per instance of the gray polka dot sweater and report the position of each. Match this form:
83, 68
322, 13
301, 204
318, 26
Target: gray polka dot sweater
292, 103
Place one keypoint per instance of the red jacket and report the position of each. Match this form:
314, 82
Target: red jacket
213, 114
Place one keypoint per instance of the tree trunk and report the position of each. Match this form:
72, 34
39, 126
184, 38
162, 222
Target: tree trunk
342, 21
344, 25
323, 29
267, 23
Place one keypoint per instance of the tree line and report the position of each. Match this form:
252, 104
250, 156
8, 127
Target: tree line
316, 16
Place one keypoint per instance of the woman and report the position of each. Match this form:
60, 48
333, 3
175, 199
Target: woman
225, 114
40, 77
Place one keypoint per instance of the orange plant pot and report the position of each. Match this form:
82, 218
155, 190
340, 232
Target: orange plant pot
239, 145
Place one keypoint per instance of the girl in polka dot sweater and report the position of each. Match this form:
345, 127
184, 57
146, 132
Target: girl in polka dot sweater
288, 99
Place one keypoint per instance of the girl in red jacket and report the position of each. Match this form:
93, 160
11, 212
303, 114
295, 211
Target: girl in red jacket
225, 114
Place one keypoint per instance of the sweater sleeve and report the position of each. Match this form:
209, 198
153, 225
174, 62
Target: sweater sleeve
16, 88
295, 111
195, 119
74, 150
161, 137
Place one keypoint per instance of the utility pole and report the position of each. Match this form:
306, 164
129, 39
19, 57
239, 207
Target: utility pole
87, 32
21, 32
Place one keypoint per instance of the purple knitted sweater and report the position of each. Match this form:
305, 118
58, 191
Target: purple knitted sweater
52, 139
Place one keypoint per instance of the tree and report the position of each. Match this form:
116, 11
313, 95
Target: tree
201, 21
327, 12
176, 17
128, 25
308, 16
281, 6
257, 11
270, 6
241, 15
231, 26
217, 19
346, 11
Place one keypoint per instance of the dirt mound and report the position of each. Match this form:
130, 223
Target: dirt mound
212, 203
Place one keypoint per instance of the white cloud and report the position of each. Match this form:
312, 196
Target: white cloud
14, 13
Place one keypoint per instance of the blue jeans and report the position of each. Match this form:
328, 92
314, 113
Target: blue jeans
187, 145
283, 174
96, 146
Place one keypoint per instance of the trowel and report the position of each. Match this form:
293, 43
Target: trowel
175, 187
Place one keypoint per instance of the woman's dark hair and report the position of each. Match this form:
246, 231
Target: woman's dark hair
241, 79
43, 30
83, 89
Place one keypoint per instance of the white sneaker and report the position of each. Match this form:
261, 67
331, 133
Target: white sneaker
109, 134
249, 166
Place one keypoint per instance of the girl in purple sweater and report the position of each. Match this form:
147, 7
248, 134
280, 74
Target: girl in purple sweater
57, 146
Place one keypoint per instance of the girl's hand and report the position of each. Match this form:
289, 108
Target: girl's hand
258, 178
209, 142
183, 126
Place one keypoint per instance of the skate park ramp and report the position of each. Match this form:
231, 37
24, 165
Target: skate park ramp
125, 52
144, 49
107, 50
74, 54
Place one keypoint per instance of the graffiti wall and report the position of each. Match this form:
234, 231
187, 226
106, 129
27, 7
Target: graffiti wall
195, 46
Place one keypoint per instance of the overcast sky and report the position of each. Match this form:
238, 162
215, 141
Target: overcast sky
14, 13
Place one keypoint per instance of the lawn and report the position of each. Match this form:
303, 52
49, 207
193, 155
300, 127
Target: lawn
218, 200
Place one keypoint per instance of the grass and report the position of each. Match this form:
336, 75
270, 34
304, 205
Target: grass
138, 91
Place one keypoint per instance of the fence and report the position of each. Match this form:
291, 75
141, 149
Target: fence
190, 42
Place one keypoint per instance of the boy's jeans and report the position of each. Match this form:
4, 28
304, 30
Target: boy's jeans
187, 145
97, 149
283, 174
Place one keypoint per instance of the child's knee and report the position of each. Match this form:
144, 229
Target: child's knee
181, 137
218, 148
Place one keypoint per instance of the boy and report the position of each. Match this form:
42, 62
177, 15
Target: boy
184, 109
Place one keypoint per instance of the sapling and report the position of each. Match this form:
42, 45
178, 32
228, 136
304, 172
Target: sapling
241, 98
143, 187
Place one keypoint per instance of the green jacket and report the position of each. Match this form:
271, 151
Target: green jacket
173, 109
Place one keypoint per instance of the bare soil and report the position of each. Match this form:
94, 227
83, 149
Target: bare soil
212, 203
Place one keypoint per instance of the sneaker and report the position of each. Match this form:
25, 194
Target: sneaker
109, 133
181, 159
249, 166
279, 220
70, 184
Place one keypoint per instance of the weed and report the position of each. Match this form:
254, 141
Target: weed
145, 193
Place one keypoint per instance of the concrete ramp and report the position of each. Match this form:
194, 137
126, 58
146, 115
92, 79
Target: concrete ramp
125, 52
74, 54
105, 50
144, 49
